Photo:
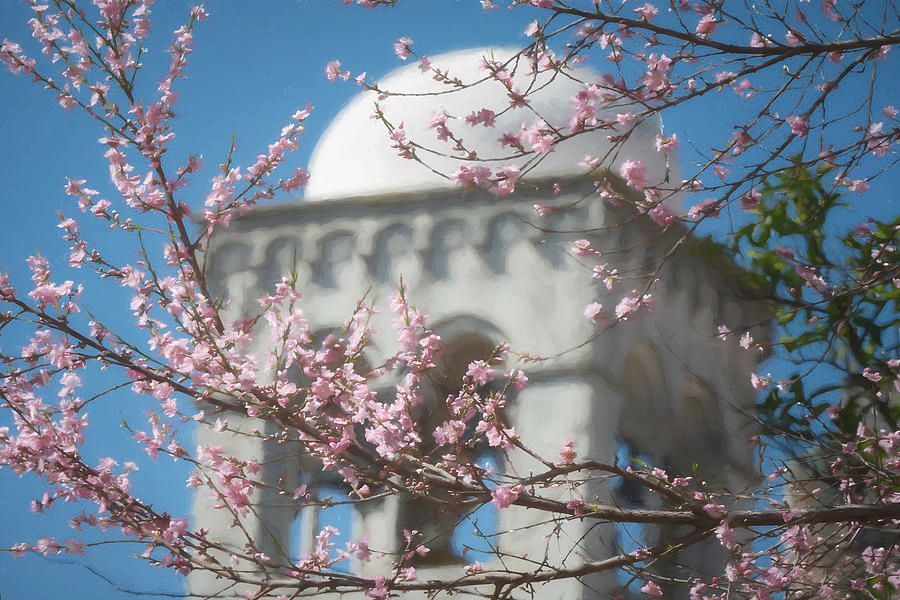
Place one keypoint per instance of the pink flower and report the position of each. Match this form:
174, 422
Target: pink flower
647, 11
708, 208
576, 505
726, 535
751, 200
858, 185
889, 111
542, 210
634, 173
662, 215
798, 125
625, 119
656, 78
743, 88
539, 136
758, 41
759, 382
480, 372
652, 590
380, 590
583, 248
473, 569
872, 375
506, 177
666, 145
629, 305
503, 496
707, 25
402, 48
333, 71
594, 312
567, 453
484, 116
477, 175
519, 379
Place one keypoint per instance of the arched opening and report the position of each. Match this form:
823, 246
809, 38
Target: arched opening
446, 528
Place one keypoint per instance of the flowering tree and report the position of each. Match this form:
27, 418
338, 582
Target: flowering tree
809, 131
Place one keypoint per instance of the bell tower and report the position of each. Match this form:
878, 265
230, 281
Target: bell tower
488, 271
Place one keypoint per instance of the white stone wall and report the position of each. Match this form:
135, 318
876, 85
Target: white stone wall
481, 265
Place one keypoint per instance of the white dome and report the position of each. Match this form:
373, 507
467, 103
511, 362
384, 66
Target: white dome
354, 156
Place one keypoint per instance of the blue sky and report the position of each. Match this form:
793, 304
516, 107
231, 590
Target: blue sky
254, 64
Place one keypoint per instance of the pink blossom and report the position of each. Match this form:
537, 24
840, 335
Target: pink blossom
872, 375
542, 210
662, 215
380, 590
484, 116
625, 119
583, 249
577, 506
656, 78
503, 496
474, 568
743, 88
480, 372
539, 136
667, 145
812, 277
751, 200
477, 175
333, 71
707, 25
647, 11
629, 305
758, 41
594, 312
403, 48
759, 382
567, 453
858, 185
726, 535
652, 590
634, 173
708, 208
798, 125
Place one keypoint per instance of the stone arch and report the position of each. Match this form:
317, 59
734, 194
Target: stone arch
282, 256
647, 402
447, 241
394, 255
504, 232
463, 340
336, 252
230, 260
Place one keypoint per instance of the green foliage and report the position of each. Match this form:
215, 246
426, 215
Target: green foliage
834, 290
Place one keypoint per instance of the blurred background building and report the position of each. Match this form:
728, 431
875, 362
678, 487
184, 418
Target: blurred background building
488, 271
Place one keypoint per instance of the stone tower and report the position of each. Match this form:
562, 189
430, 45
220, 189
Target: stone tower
487, 271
